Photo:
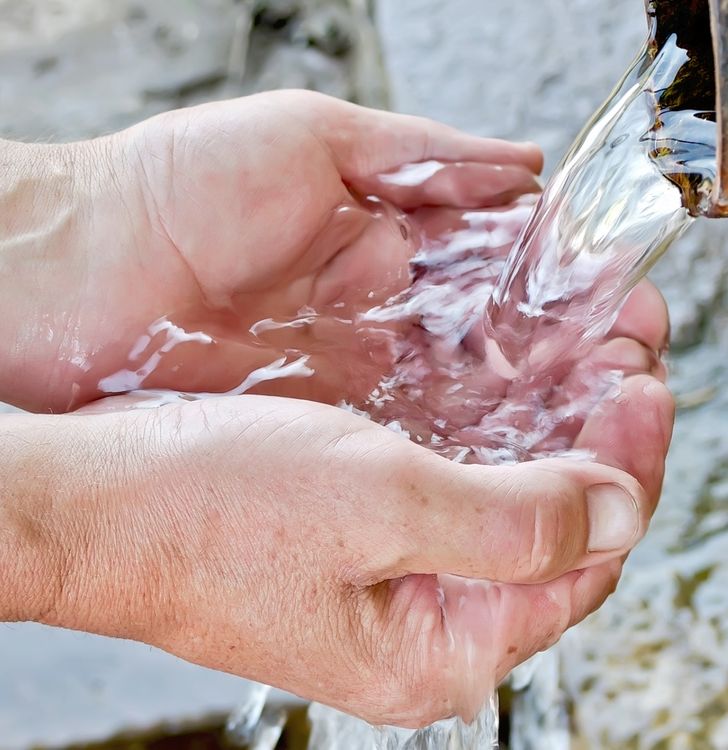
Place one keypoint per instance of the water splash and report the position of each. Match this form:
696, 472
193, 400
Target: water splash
452, 734
604, 219
337, 731
242, 724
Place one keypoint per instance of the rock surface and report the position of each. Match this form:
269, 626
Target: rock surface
79, 69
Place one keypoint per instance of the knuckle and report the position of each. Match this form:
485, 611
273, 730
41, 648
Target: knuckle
549, 538
545, 558
661, 395
626, 353
596, 593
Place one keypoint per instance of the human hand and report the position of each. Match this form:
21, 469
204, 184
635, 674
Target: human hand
217, 217
99, 323
330, 573
296, 544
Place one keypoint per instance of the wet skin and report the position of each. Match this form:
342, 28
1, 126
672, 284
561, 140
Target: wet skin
278, 538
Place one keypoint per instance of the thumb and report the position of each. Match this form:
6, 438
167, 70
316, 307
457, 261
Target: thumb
527, 523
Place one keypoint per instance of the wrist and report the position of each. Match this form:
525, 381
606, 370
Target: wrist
56, 509
39, 209
38, 194
59, 206
37, 543
81, 546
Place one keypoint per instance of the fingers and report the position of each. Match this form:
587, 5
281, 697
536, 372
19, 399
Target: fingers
624, 355
379, 141
495, 228
592, 380
634, 346
533, 618
451, 640
531, 522
459, 184
644, 317
367, 142
633, 432
412, 139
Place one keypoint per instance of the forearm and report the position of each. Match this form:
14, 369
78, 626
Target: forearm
36, 504
67, 550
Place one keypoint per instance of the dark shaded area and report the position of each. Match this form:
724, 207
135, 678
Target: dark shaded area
203, 738
685, 133
210, 736
689, 21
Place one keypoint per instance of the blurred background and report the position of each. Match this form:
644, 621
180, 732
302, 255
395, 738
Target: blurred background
650, 670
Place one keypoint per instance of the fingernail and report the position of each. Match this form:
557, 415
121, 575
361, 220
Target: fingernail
613, 517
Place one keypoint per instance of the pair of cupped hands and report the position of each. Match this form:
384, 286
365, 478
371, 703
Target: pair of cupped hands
279, 538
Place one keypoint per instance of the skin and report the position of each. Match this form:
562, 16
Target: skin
277, 538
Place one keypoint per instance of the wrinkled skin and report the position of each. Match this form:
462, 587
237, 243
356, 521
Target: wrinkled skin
281, 539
